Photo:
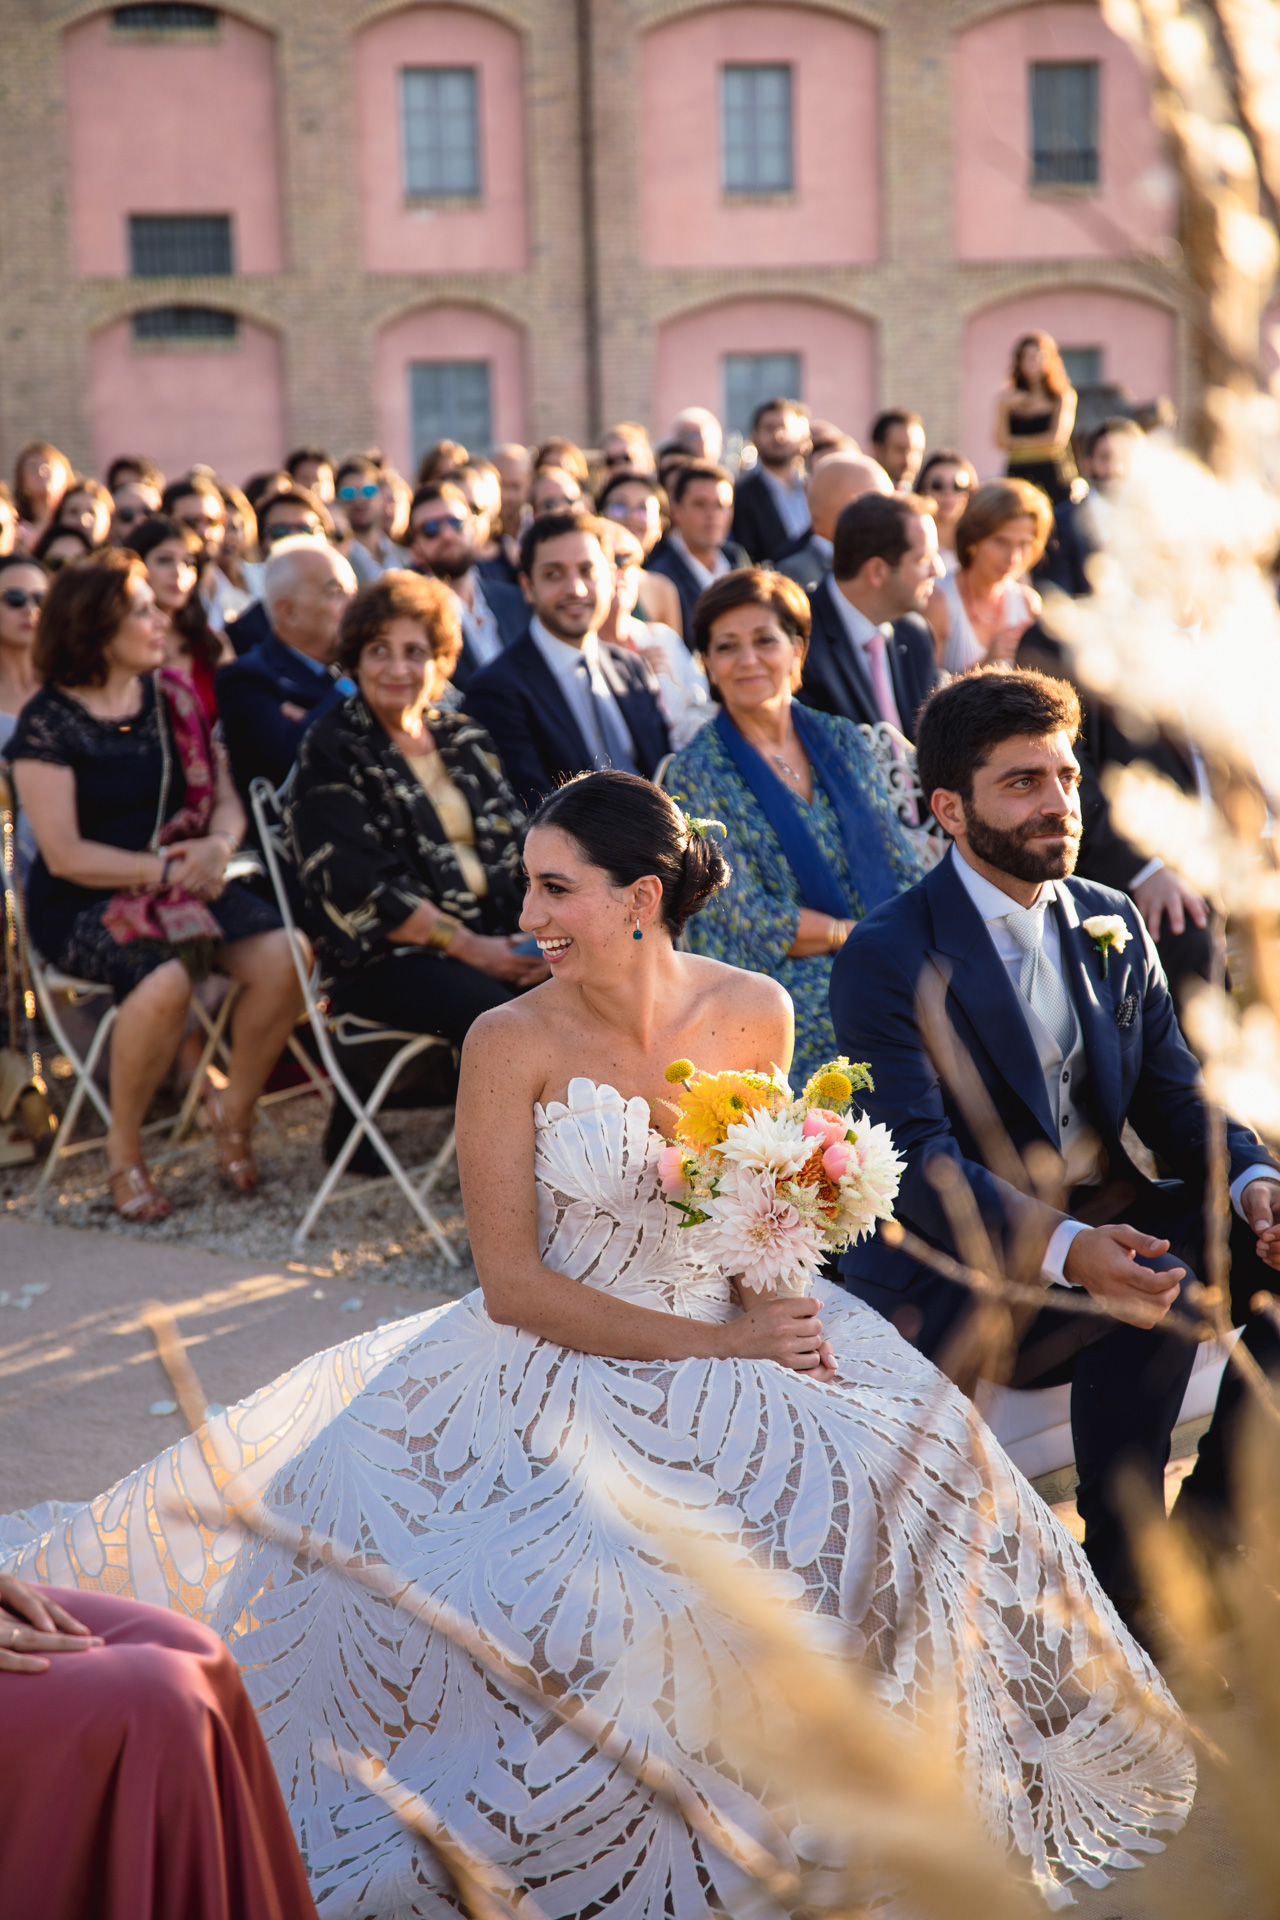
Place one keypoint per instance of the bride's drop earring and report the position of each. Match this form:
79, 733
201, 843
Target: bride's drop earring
637, 935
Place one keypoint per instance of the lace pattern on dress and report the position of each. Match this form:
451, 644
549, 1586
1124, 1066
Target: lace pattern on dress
479, 1461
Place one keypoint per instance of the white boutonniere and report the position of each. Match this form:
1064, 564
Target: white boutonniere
1107, 930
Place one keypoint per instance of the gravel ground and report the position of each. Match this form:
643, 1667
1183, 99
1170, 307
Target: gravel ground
373, 1236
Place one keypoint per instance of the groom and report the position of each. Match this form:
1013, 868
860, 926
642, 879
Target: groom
1068, 1043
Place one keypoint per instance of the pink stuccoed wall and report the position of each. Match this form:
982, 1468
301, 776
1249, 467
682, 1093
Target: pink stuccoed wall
446, 333
167, 127
403, 238
222, 406
998, 214
837, 357
1138, 339
833, 217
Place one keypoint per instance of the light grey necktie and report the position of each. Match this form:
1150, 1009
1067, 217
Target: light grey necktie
612, 741
1040, 981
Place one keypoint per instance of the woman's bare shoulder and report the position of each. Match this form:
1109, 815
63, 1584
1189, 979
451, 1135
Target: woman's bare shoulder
752, 1007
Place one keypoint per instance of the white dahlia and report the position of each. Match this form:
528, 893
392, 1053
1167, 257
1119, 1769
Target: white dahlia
870, 1184
752, 1232
767, 1143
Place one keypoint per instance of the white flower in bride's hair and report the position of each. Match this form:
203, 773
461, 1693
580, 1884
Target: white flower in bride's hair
767, 1142
750, 1231
870, 1183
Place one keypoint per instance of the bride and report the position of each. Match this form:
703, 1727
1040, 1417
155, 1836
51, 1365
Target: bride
474, 1450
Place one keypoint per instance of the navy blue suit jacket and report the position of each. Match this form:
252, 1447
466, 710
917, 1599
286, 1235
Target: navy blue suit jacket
517, 699
251, 692
669, 560
836, 678
757, 524
1072, 542
1139, 1068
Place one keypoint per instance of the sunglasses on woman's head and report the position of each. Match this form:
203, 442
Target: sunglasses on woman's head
14, 597
366, 492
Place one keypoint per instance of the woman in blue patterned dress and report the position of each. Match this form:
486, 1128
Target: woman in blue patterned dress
812, 836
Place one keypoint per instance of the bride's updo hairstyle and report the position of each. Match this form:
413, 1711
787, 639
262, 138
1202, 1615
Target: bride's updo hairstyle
630, 828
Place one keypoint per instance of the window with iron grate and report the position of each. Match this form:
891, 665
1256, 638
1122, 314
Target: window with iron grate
185, 323
160, 18
179, 243
1064, 123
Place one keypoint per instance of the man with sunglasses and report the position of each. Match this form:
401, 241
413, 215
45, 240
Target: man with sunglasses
359, 498
444, 540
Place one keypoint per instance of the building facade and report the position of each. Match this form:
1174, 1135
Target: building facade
227, 231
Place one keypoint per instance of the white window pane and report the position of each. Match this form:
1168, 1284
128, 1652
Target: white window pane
441, 131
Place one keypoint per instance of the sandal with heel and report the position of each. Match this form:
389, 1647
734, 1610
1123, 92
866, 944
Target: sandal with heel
235, 1154
134, 1196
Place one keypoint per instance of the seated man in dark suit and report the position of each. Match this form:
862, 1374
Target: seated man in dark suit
770, 511
871, 654
281, 516
559, 702
270, 696
698, 548
444, 539
1079, 525
1067, 1042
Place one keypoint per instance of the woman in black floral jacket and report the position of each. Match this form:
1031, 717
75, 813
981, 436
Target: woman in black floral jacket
406, 834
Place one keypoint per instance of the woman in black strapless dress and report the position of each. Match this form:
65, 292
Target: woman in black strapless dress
1035, 416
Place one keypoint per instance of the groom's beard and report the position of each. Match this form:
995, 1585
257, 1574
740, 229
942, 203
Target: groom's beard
1012, 850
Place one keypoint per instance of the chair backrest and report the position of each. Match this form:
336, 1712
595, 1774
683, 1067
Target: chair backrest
895, 759
268, 818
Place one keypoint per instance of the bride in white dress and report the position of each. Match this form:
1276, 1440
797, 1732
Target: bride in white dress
475, 1450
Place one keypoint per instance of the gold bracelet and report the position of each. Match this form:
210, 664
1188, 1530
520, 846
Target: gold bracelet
838, 935
444, 931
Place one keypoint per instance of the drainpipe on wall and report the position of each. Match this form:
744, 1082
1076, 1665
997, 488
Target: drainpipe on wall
590, 246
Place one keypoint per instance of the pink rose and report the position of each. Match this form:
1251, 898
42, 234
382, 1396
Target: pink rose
821, 1124
836, 1160
671, 1169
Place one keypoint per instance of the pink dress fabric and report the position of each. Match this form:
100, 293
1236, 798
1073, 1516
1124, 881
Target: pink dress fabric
135, 1784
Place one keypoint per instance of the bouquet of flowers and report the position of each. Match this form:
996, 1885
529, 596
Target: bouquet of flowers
768, 1184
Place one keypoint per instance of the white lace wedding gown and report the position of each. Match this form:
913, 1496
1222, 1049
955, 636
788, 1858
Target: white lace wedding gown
479, 1462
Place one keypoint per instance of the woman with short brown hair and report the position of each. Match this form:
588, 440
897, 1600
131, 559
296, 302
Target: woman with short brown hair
135, 819
406, 834
980, 611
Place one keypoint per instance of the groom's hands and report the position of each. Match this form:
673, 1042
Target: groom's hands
1103, 1260
1260, 1205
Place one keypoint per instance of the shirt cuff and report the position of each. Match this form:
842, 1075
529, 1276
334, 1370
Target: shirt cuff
1055, 1254
1238, 1186
1143, 873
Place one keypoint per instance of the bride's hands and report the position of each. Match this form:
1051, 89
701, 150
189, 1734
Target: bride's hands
788, 1330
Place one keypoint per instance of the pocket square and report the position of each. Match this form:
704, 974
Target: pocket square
1127, 1011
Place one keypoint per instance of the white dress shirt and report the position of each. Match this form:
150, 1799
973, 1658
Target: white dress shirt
590, 698
860, 630
790, 498
703, 575
479, 623
993, 905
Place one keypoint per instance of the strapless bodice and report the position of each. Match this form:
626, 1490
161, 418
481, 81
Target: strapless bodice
601, 1215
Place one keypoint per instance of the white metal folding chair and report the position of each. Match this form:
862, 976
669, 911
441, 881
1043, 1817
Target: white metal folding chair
346, 1030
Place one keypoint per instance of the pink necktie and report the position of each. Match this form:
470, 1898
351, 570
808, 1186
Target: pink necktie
882, 686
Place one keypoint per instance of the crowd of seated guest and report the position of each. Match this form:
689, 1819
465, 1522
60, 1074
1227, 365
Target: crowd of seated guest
581, 643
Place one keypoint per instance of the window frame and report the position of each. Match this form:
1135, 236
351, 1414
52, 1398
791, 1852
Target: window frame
180, 273
1055, 184
202, 31
757, 190
223, 340
767, 387
477, 442
457, 196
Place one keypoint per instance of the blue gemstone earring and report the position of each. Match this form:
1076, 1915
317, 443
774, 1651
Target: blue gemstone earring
637, 935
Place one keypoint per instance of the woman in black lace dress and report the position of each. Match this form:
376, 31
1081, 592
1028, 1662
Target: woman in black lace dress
133, 811
406, 833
